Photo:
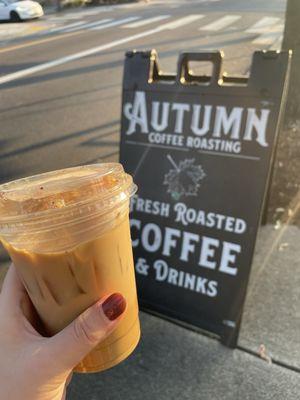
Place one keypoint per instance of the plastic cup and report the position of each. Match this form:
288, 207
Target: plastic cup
67, 232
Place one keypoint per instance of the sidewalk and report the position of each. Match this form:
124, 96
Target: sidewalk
172, 362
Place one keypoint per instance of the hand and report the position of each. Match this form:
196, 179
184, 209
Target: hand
33, 367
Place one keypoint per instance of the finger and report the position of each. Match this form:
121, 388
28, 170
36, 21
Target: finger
66, 385
12, 289
64, 394
17, 302
70, 376
73, 343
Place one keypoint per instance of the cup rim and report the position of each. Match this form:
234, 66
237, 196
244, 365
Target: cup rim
122, 191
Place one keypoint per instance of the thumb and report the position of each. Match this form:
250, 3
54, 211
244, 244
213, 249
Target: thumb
73, 343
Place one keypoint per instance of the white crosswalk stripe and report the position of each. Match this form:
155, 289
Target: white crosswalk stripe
89, 25
220, 23
266, 31
114, 23
263, 25
63, 28
268, 38
277, 44
182, 21
146, 21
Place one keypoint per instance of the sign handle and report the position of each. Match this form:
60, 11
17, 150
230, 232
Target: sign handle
184, 74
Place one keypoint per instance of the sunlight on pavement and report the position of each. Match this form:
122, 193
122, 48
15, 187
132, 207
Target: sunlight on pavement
13, 31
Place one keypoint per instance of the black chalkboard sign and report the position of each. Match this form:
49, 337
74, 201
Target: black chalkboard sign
200, 149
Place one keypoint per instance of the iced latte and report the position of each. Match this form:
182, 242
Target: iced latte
68, 235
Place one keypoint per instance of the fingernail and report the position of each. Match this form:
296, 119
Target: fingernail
114, 306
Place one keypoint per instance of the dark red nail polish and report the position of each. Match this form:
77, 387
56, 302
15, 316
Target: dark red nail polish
114, 306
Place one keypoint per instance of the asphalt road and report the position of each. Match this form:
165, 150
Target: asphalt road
67, 112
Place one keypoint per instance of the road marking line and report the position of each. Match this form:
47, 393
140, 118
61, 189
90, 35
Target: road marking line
35, 29
263, 25
36, 42
220, 23
277, 44
61, 28
146, 21
182, 21
76, 56
114, 23
65, 34
90, 24
270, 37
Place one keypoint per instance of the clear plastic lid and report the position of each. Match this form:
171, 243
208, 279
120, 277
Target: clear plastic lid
44, 201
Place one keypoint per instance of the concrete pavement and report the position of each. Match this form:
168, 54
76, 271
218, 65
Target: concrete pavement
174, 363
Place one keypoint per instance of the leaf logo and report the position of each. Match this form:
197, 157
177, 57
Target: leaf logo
184, 179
